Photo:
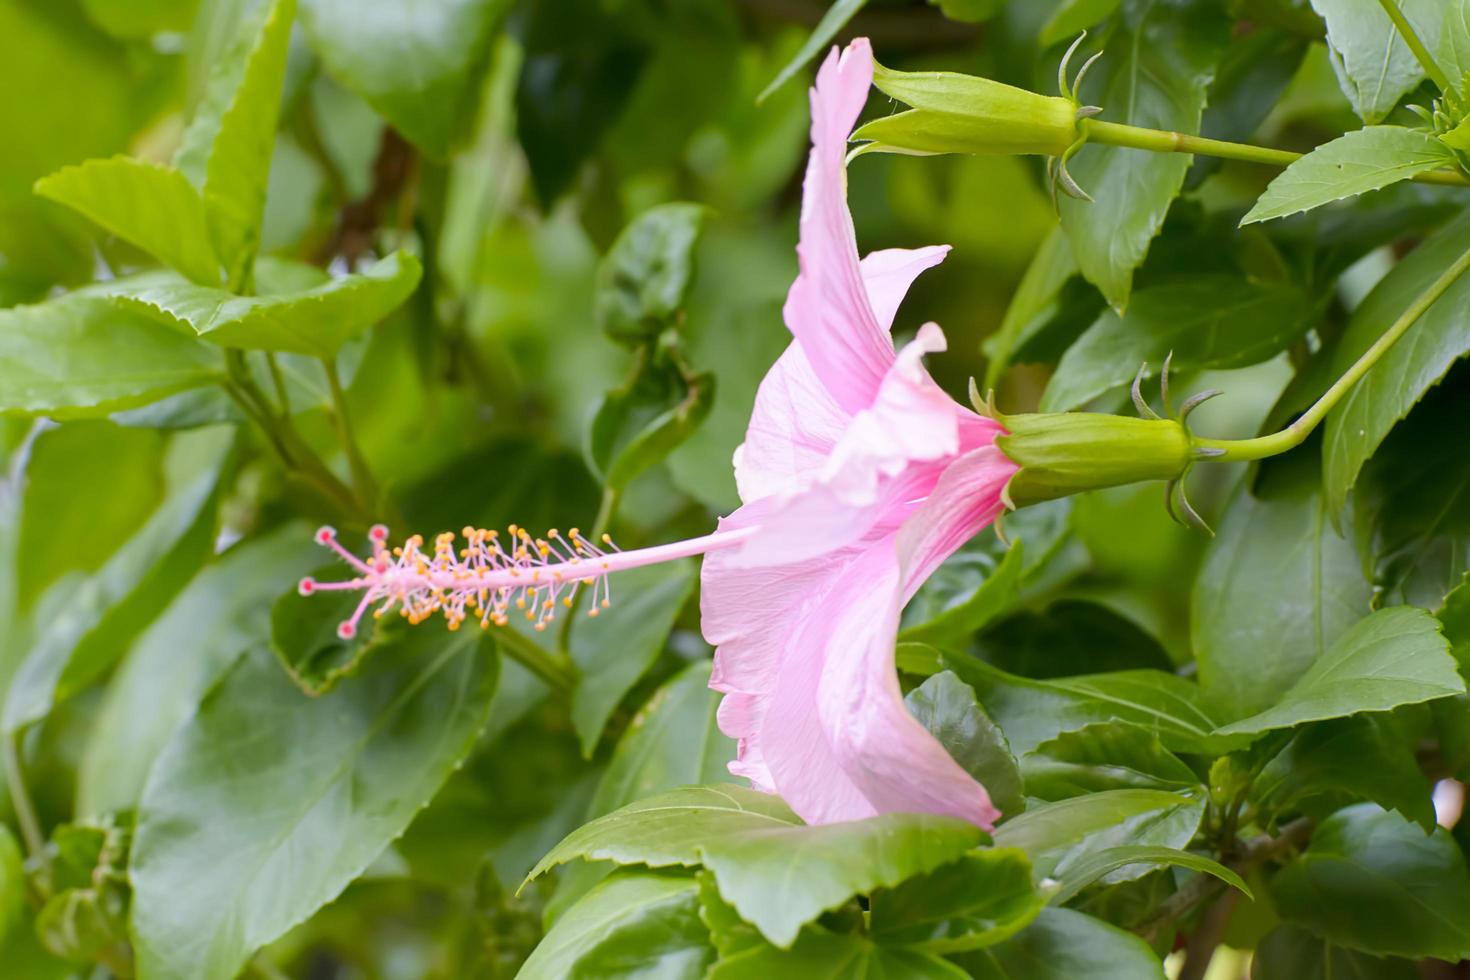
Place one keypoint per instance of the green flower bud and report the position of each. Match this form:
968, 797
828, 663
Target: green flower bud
1069, 452
954, 113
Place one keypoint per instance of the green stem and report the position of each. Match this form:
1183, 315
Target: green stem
1411, 38
556, 671
1295, 434
280, 382
20, 799
362, 477
1164, 141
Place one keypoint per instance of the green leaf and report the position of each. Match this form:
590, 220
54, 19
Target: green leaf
970, 11
86, 621
1373, 64
1453, 54
1208, 322
820, 955
1072, 17
614, 650
947, 707
827, 28
636, 923
1066, 834
1103, 756
1101, 863
224, 610
12, 884
984, 898
1367, 757
956, 624
1394, 657
141, 18
286, 799
226, 151
651, 415
1155, 72
1362, 161
420, 65
155, 208
1293, 953
778, 873
1279, 584
316, 321
79, 355
644, 277
1032, 303
303, 633
1374, 882
1409, 369
1063, 945
1031, 712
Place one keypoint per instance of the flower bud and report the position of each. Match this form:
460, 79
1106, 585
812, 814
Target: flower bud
954, 113
1069, 452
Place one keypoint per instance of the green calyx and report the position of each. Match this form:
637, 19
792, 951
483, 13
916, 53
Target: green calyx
1068, 452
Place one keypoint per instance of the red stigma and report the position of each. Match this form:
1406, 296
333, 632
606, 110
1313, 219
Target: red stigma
306, 586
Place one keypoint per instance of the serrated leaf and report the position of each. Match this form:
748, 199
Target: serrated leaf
1292, 953
947, 708
1394, 657
155, 208
80, 355
316, 321
1364, 160
984, 898
614, 650
778, 873
1279, 584
1401, 377
1155, 73
226, 151
1374, 882
286, 799
1062, 945
420, 64
634, 923
1373, 64
1207, 322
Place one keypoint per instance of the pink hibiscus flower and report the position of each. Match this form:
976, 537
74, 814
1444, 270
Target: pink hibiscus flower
859, 476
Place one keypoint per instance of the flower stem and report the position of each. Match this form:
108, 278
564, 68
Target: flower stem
1164, 141
1231, 450
362, 477
556, 671
20, 798
1411, 38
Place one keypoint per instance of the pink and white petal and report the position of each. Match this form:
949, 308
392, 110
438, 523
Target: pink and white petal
890, 272
793, 427
892, 760
965, 500
827, 309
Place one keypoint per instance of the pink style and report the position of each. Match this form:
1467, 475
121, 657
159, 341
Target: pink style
859, 476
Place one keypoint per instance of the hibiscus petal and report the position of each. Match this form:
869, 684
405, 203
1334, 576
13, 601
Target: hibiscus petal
793, 427
965, 500
827, 309
888, 274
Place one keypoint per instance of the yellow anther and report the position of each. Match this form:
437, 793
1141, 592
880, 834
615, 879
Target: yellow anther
567, 602
592, 611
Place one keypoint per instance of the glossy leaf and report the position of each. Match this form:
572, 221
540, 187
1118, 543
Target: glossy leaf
643, 279
315, 321
1108, 860
345, 773
226, 151
1384, 396
420, 65
303, 634
1154, 74
1373, 64
1374, 882
820, 955
1062, 944
946, 706
155, 208
1209, 322
1103, 756
634, 923
984, 898
1364, 160
81, 355
1279, 585
1394, 657
614, 650
1293, 953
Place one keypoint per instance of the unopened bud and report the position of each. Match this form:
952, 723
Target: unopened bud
954, 113
1068, 452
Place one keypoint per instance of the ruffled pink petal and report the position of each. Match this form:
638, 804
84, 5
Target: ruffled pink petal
893, 761
966, 500
793, 427
889, 273
827, 309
